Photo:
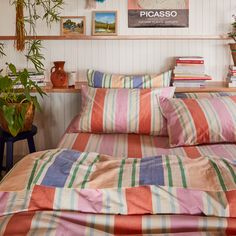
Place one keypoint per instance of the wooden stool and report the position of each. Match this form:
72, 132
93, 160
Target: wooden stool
9, 140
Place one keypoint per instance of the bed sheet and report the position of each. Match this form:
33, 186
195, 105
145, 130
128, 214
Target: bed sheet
138, 146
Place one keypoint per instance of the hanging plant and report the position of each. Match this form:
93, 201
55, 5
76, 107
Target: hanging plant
28, 13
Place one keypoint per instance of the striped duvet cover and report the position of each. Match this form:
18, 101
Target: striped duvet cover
66, 192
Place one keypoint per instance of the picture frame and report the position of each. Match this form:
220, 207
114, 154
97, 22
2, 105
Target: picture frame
73, 26
104, 23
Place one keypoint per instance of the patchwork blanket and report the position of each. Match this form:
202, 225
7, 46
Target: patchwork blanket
65, 192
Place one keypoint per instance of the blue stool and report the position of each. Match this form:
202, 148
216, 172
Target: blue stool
10, 140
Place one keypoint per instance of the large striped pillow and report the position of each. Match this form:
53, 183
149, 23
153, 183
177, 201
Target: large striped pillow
98, 79
200, 121
122, 111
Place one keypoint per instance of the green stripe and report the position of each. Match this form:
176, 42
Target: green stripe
218, 175
182, 172
134, 172
169, 171
76, 170
121, 173
88, 172
34, 169
230, 169
44, 165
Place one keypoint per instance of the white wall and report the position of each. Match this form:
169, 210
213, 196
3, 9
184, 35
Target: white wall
207, 17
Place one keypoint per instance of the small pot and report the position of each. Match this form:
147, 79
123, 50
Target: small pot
29, 118
233, 51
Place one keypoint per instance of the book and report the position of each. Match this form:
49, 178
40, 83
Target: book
232, 67
205, 77
190, 61
189, 85
191, 58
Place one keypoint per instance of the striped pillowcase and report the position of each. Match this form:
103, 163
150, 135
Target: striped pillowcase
204, 95
98, 79
200, 121
122, 111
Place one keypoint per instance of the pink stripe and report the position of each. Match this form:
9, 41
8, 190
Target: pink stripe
190, 201
221, 150
162, 145
167, 92
72, 223
170, 111
121, 110
185, 224
90, 201
225, 118
3, 201
107, 144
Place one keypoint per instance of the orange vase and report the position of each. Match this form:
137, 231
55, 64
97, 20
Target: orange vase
58, 75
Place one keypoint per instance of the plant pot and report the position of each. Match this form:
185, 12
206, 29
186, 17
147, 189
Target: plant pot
233, 51
28, 121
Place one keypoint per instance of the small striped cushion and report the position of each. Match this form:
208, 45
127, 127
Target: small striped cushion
98, 79
122, 111
200, 121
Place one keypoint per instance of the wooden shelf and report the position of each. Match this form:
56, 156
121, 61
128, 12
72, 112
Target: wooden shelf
210, 88
124, 37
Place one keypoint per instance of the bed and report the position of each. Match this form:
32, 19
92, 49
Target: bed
121, 184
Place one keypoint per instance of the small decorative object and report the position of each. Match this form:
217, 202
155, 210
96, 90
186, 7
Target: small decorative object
73, 25
17, 107
71, 78
232, 35
104, 23
58, 75
92, 3
158, 13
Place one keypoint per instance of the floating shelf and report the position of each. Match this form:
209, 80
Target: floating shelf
124, 37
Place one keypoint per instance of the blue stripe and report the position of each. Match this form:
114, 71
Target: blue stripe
137, 81
98, 76
151, 171
59, 171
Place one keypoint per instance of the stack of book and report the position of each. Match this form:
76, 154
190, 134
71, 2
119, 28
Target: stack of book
232, 76
190, 72
37, 76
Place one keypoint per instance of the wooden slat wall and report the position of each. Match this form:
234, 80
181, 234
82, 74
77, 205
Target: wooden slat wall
207, 17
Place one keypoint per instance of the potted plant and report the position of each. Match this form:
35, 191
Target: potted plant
232, 35
17, 106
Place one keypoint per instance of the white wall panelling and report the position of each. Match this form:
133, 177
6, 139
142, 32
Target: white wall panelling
207, 17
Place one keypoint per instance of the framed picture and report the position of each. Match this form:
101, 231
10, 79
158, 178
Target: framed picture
158, 13
73, 25
104, 23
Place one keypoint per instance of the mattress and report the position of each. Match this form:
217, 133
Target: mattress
138, 146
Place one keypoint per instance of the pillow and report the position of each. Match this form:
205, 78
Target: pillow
98, 79
122, 111
200, 121
204, 95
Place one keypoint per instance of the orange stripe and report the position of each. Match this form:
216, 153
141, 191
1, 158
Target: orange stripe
192, 152
134, 146
97, 111
233, 98
127, 225
42, 198
19, 224
199, 119
81, 142
231, 197
139, 200
145, 111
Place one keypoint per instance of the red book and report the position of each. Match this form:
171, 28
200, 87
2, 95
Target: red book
190, 61
192, 78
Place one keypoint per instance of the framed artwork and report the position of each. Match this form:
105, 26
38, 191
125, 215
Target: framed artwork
104, 23
73, 25
158, 13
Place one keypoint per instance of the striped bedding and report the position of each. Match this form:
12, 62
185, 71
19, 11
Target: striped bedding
65, 192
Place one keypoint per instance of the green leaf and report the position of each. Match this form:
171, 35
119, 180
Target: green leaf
12, 68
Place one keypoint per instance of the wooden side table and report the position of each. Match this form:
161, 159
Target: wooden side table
10, 140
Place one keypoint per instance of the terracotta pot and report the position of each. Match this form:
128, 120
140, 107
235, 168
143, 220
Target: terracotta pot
58, 75
29, 117
233, 51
